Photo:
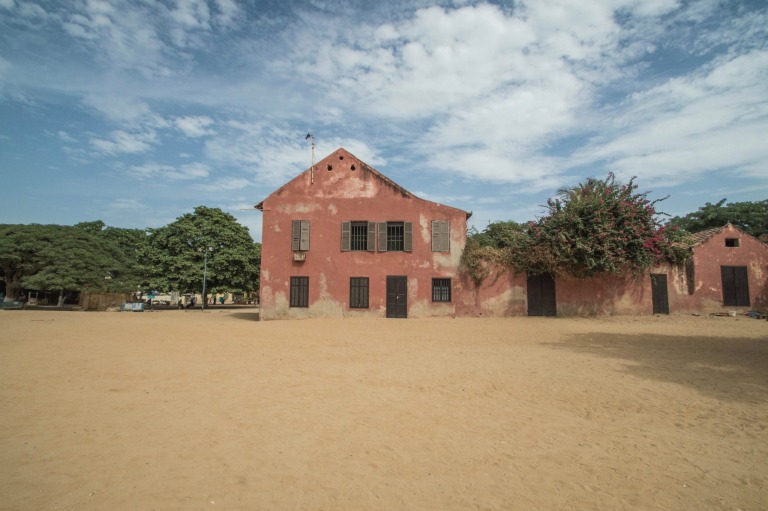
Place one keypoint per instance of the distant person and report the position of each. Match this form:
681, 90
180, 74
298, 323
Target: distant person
221, 300
180, 304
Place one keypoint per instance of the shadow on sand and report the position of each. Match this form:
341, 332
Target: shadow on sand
725, 368
248, 316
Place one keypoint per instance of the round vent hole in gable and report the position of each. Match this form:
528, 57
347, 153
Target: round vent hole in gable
352, 167
330, 167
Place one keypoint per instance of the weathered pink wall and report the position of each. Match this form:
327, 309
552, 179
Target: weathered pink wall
505, 294
711, 255
342, 188
329, 197
501, 294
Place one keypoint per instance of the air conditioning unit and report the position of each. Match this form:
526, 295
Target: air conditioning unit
299, 256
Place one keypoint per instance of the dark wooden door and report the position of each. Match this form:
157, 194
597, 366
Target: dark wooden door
659, 294
397, 297
735, 286
541, 295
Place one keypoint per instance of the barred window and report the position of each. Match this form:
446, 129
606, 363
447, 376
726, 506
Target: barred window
299, 292
359, 236
358, 292
395, 236
441, 290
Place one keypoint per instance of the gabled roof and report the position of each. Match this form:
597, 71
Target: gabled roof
364, 168
697, 238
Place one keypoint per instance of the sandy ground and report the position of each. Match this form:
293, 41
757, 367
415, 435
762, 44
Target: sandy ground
214, 410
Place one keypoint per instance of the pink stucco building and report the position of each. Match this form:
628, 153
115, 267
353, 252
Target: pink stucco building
727, 271
341, 239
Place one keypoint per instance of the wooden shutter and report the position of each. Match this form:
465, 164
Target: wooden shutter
371, 236
296, 235
304, 241
441, 236
446, 236
407, 236
382, 236
345, 235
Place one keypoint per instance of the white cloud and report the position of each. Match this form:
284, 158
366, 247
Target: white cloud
228, 13
194, 126
275, 154
126, 36
191, 13
712, 120
66, 137
122, 109
493, 87
7, 4
227, 184
190, 171
122, 142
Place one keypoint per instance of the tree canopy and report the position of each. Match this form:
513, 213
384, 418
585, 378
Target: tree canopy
92, 256
177, 252
752, 217
57, 258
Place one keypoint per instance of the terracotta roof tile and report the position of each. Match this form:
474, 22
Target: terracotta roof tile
697, 238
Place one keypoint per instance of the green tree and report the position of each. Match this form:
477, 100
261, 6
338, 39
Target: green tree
499, 234
752, 217
177, 252
19, 245
62, 258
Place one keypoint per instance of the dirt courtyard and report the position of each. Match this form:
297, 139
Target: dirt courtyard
214, 410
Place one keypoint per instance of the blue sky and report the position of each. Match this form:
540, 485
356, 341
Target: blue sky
136, 111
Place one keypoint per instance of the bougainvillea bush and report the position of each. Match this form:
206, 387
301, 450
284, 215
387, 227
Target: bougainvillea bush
596, 227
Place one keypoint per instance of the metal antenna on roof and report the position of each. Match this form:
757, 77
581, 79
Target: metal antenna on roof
312, 168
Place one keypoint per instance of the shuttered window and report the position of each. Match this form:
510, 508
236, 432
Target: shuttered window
358, 292
395, 236
358, 236
441, 290
300, 235
735, 286
441, 236
299, 292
